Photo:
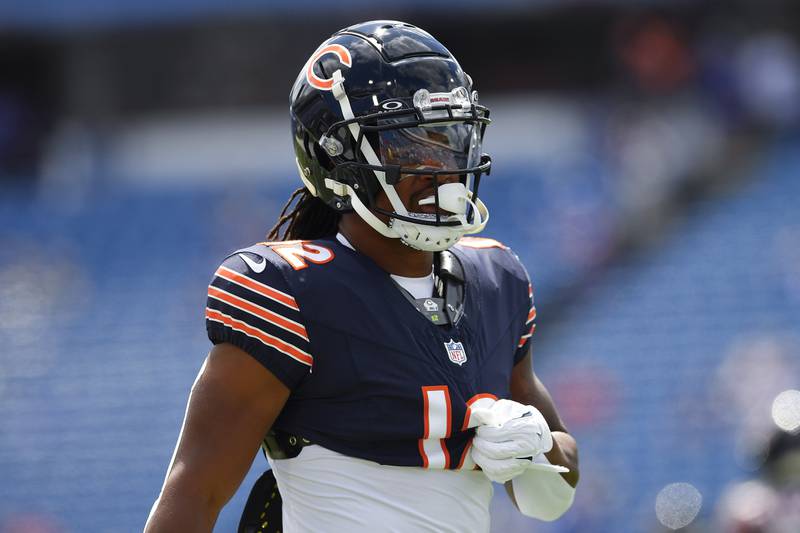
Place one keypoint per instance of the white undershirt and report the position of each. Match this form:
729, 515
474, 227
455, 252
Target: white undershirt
323, 490
417, 287
326, 491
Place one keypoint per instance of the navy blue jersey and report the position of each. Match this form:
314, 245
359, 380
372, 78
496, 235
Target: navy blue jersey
370, 375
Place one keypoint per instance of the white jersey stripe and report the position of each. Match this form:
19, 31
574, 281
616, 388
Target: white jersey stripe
434, 453
524, 338
437, 427
262, 313
250, 284
479, 401
279, 344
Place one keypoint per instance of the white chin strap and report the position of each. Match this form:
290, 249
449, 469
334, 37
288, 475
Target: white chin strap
423, 236
453, 197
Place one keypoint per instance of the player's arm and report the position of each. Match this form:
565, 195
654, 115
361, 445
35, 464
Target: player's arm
232, 405
539, 493
514, 436
527, 388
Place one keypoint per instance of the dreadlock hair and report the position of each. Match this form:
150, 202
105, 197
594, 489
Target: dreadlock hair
310, 219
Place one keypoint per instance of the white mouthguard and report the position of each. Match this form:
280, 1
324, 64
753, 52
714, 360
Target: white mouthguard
453, 197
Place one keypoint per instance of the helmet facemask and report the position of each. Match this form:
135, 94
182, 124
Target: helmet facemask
438, 138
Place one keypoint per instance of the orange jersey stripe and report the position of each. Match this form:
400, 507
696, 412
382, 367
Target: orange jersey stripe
531, 315
526, 336
283, 347
446, 453
425, 461
481, 242
255, 286
480, 396
471, 401
260, 312
464, 454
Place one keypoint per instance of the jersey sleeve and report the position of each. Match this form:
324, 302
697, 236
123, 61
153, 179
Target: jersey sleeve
521, 298
255, 311
527, 329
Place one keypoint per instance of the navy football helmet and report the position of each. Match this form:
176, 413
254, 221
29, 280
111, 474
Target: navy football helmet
378, 102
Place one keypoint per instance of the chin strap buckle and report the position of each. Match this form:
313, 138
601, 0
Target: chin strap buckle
338, 188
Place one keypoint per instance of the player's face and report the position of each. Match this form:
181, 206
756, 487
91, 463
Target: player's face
413, 188
434, 148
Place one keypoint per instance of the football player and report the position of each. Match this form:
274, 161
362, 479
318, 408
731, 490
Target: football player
379, 356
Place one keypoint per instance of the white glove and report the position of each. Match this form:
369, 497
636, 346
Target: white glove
509, 436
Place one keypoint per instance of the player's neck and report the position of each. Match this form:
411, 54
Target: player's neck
390, 254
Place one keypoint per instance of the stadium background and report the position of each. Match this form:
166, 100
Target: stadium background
646, 170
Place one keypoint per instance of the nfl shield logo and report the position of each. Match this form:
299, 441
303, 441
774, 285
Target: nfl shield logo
456, 353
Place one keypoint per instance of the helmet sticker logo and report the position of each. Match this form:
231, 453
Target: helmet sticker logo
391, 105
325, 84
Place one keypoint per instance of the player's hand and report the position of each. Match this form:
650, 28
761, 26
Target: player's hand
509, 436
